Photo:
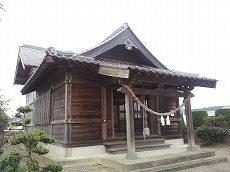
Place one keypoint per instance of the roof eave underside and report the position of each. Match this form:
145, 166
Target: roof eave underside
46, 69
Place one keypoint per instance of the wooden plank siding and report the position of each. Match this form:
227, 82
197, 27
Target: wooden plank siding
166, 105
41, 111
86, 104
58, 104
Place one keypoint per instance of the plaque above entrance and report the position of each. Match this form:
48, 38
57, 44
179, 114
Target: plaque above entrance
115, 72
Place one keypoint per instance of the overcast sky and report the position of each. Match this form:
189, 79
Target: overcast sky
191, 36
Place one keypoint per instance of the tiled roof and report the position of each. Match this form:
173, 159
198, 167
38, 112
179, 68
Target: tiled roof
123, 35
120, 65
110, 37
31, 55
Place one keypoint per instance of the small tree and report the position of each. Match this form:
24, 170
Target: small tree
31, 139
3, 119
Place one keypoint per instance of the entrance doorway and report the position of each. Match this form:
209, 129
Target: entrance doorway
120, 115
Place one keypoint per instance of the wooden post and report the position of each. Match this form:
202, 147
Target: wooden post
190, 130
131, 154
112, 114
158, 117
68, 101
152, 121
178, 116
103, 111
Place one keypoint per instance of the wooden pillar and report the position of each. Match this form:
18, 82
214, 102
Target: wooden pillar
131, 154
103, 111
190, 130
112, 114
158, 117
68, 104
178, 116
152, 121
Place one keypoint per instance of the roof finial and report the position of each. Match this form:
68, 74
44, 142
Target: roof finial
126, 25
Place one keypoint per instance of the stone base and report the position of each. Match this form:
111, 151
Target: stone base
131, 156
193, 148
175, 142
74, 152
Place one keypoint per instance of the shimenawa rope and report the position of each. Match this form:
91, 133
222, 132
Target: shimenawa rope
135, 98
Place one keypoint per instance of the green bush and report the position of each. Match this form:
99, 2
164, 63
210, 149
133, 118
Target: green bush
40, 150
211, 135
52, 168
198, 118
10, 162
32, 164
215, 121
225, 113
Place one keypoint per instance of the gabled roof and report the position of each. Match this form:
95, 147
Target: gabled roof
29, 57
123, 35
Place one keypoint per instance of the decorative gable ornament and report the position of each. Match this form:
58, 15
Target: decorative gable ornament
129, 44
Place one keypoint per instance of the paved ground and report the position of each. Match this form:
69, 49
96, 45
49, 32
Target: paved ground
221, 150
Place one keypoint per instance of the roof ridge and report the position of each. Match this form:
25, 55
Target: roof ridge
111, 36
115, 33
34, 47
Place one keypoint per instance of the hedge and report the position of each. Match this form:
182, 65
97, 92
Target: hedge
225, 113
198, 118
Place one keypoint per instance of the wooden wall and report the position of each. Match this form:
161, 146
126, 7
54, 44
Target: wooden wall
86, 106
166, 105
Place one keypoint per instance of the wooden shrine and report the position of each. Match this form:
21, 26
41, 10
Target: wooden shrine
76, 100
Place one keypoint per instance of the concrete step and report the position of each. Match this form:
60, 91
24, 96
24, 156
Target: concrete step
184, 165
158, 159
123, 149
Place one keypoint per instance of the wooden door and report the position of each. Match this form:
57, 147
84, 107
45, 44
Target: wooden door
120, 115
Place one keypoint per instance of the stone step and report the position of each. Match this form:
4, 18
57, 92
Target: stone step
184, 165
158, 159
141, 141
123, 149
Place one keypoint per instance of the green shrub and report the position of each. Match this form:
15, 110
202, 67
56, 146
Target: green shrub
32, 164
52, 168
10, 162
198, 118
40, 150
215, 121
211, 135
225, 113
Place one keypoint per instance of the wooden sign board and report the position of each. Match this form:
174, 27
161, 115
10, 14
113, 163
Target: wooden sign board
119, 73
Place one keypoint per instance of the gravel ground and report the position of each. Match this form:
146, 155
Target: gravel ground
78, 168
220, 149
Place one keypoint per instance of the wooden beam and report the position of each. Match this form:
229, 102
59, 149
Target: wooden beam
68, 103
159, 92
152, 105
131, 154
158, 117
112, 114
103, 112
110, 81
